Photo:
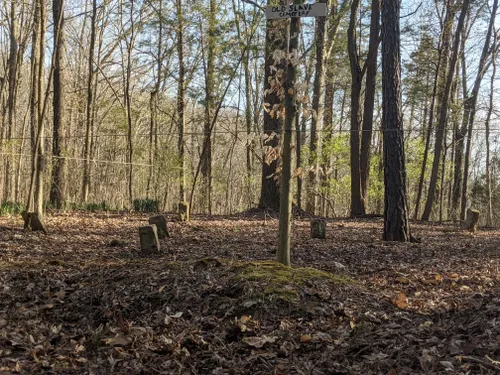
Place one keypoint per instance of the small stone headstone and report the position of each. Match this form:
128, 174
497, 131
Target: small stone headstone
471, 220
183, 211
161, 225
318, 228
149, 239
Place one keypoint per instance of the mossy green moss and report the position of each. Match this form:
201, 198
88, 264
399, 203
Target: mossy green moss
281, 281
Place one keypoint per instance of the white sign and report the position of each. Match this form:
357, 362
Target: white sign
296, 10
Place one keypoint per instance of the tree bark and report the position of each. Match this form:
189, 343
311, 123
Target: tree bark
210, 96
57, 194
357, 203
285, 224
489, 195
369, 103
276, 40
396, 221
12, 94
443, 110
317, 108
89, 119
181, 98
460, 179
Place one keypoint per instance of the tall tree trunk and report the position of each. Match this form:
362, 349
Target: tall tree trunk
369, 103
396, 221
460, 179
489, 206
129, 41
11, 100
206, 165
89, 119
317, 108
285, 223
57, 187
427, 135
41, 162
153, 104
181, 98
274, 71
357, 203
443, 110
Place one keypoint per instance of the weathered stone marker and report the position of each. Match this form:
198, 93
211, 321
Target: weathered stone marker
471, 220
149, 239
183, 211
161, 225
318, 228
33, 221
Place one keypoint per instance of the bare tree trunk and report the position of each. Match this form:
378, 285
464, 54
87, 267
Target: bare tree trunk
489, 210
357, 202
181, 94
396, 221
460, 180
276, 39
129, 42
89, 120
369, 104
57, 194
285, 224
317, 118
153, 104
11, 100
210, 96
443, 110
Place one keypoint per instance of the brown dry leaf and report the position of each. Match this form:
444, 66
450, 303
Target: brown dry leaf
305, 338
430, 282
258, 342
439, 278
403, 280
118, 340
401, 301
60, 294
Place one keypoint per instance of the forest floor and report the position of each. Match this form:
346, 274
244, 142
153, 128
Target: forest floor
76, 302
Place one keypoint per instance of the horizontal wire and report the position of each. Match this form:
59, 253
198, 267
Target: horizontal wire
254, 132
79, 159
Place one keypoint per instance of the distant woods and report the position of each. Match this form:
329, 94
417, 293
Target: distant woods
109, 102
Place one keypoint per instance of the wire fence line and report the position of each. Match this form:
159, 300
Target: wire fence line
234, 132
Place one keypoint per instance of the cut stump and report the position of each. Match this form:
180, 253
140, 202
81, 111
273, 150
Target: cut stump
33, 221
149, 239
471, 220
318, 228
184, 211
161, 225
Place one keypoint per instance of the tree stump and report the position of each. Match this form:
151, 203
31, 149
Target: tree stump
33, 221
161, 225
318, 228
149, 239
471, 220
184, 211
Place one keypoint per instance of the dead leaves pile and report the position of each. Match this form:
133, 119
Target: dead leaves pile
72, 304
